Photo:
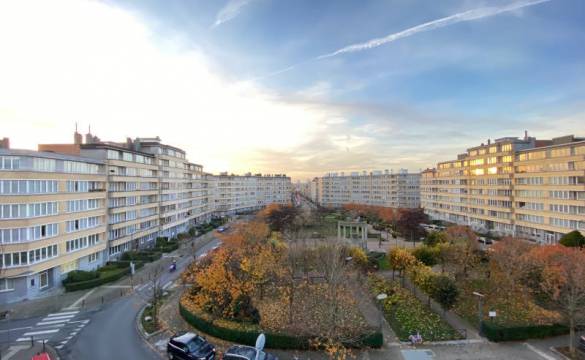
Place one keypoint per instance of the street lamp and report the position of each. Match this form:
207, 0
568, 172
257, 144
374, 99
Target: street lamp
480, 310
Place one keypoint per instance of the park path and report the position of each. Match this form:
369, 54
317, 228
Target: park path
371, 311
450, 317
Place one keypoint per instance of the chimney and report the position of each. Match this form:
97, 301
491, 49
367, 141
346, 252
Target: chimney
5, 143
525, 135
77, 137
489, 141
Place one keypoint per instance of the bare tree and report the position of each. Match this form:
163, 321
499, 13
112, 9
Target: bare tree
157, 290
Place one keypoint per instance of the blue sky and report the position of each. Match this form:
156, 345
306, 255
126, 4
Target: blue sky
404, 104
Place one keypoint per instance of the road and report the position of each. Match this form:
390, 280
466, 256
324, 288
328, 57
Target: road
108, 332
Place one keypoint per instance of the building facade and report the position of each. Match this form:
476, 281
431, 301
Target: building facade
52, 220
75, 206
400, 190
526, 187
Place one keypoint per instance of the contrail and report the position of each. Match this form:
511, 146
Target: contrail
229, 11
431, 25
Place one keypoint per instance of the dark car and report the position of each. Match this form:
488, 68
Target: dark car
242, 352
582, 343
190, 346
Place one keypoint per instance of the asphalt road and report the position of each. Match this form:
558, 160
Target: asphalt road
112, 332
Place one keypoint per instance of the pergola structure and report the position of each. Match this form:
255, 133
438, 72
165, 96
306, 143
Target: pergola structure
353, 230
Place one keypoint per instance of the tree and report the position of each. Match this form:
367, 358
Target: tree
444, 291
426, 255
573, 239
463, 250
409, 221
434, 238
400, 260
155, 277
508, 267
280, 218
563, 274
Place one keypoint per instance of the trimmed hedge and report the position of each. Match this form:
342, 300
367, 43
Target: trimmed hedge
273, 340
146, 256
112, 271
498, 333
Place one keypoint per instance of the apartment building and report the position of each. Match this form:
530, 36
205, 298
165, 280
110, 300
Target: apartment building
234, 193
52, 220
75, 206
377, 188
526, 187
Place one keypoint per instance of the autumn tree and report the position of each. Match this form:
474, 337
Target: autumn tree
463, 249
563, 274
444, 291
409, 221
400, 260
508, 266
435, 237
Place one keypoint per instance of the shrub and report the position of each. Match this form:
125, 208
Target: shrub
247, 334
426, 255
80, 275
444, 291
573, 239
496, 332
434, 238
105, 276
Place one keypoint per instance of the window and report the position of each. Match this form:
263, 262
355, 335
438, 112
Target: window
23, 258
93, 257
48, 165
6, 285
21, 211
82, 224
9, 163
127, 157
25, 187
44, 279
113, 154
80, 167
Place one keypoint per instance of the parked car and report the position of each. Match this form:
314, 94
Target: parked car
242, 352
484, 240
190, 346
582, 343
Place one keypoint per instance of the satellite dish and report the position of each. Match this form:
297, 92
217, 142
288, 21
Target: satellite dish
260, 342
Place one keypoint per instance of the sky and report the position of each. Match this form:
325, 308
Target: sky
301, 87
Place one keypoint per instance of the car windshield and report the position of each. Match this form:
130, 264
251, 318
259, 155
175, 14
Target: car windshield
195, 344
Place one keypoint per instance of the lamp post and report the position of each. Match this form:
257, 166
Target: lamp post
381, 297
480, 310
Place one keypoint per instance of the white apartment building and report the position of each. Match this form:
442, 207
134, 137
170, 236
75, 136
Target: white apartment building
377, 188
529, 188
75, 206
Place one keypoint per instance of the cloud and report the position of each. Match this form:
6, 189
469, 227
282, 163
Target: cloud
230, 11
469, 15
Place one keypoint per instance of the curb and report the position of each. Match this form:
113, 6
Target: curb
143, 333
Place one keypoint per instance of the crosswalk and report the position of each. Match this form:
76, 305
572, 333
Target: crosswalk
57, 328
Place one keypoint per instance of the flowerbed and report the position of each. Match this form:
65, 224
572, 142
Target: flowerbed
407, 315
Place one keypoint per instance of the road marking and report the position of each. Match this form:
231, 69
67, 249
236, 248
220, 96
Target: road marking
141, 287
539, 352
13, 350
55, 318
80, 321
165, 286
15, 329
59, 347
63, 313
50, 331
117, 286
76, 304
44, 323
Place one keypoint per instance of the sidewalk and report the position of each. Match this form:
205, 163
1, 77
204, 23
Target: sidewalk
96, 297
449, 316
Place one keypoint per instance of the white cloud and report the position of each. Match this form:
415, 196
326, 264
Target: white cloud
230, 11
70, 61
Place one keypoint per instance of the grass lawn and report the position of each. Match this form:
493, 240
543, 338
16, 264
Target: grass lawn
407, 315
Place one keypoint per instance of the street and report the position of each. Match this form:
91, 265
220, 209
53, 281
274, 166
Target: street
107, 332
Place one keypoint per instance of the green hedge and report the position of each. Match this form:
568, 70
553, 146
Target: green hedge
146, 256
112, 271
273, 341
497, 333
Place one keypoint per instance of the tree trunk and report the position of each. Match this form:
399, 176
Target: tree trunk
572, 335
